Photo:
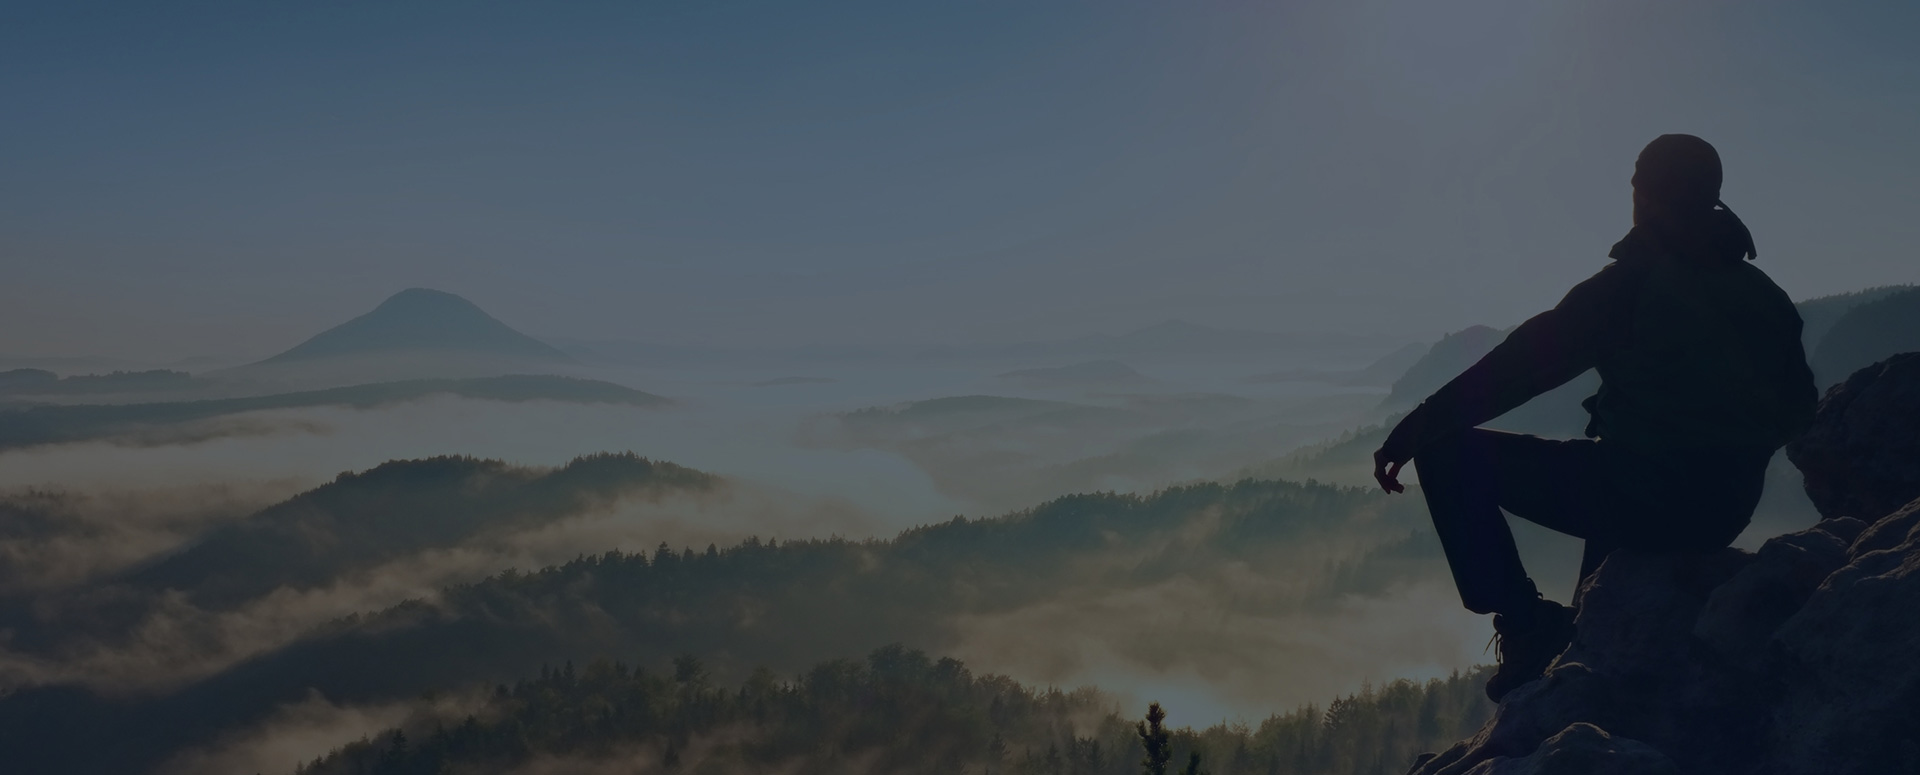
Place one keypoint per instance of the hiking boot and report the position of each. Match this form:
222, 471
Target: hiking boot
1524, 649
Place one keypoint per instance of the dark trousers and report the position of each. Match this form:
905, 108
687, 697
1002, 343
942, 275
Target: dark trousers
1585, 488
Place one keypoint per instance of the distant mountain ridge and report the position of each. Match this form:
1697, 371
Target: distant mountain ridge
1442, 362
1868, 332
420, 319
43, 382
1181, 337
1819, 314
1172, 337
1078, 375
85, 422
1382, 372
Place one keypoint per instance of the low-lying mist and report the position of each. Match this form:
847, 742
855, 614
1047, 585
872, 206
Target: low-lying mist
1256, 596
213, 588
310, 446
153, 602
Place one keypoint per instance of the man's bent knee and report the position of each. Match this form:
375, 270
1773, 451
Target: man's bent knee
1444, 456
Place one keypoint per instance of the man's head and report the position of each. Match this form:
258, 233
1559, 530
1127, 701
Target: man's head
1676, 193
1675, 176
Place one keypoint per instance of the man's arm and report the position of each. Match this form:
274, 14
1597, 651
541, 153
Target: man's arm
1543, 353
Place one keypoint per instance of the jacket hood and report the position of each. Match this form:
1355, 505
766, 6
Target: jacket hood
1715, 237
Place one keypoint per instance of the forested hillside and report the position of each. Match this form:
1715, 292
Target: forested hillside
361, 520
84, 614
1084, 569
1818, 315
1867, 333
896, 711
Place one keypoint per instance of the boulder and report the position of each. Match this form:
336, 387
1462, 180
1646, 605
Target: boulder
1844, 528
1851, 699
1638, 606
1891, 531
1635, 668
1570, 693
1742, 614
1862, 456
1671, 689
1584, 749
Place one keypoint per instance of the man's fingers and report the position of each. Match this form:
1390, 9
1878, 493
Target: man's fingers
1385, 472
1393, 478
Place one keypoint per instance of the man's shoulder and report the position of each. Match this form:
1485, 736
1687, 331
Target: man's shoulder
1618, 276
1759, 285
1758, 278
1751, 283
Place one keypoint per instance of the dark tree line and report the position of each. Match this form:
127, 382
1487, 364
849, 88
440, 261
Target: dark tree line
896, 711
403, 507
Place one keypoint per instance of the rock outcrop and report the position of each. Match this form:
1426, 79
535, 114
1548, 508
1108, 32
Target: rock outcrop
1798, 659
1858, 459
1583, 747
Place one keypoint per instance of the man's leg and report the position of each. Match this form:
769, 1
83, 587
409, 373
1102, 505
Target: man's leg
1616, 500
1465, 478
1468, 478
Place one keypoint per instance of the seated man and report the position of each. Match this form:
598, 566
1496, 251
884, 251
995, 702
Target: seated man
1703, 378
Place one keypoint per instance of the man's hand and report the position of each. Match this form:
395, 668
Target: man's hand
1386, 471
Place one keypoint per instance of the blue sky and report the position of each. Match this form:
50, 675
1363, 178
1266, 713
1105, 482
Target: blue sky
188, 179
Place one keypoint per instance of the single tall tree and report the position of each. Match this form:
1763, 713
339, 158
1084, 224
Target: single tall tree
1153, 737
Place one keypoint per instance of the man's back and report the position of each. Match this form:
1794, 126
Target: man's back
1708, 358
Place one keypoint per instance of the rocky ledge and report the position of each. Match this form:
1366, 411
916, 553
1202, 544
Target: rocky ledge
1801, 658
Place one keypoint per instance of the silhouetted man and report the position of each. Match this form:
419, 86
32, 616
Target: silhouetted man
1703, 378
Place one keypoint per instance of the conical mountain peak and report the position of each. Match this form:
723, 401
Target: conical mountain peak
426, 298
425, 321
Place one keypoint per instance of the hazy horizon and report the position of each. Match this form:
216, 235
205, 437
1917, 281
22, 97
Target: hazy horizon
227, 179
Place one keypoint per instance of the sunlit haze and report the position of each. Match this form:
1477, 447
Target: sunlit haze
221, 179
